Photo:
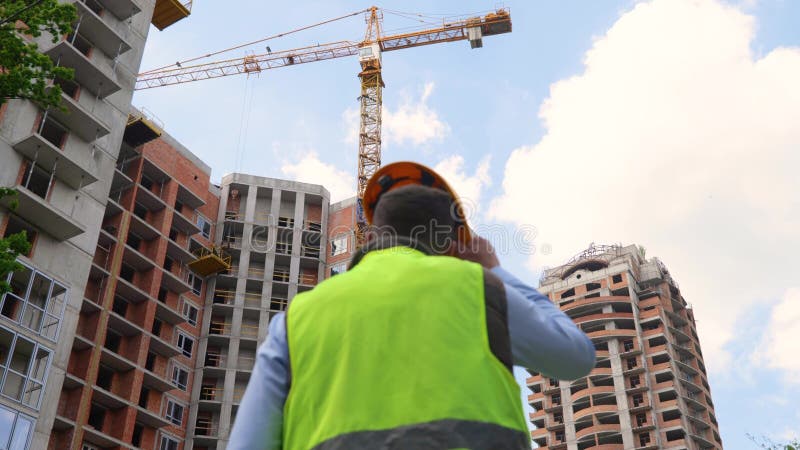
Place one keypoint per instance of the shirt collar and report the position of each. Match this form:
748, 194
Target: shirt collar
385, 242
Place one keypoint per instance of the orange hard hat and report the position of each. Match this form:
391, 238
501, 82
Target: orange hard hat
405, 173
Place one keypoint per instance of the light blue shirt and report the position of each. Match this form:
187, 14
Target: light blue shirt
543, 339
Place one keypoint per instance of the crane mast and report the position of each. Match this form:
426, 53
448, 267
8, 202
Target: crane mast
369, 53
371, 105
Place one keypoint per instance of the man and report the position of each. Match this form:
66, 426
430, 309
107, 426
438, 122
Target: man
413, 346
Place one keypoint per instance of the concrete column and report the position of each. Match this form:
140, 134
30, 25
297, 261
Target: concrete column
223, 206
621, 396
272, 238
566, 407
297, 237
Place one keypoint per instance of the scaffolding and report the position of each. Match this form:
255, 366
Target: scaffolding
599, 253
167, 12
141, 129
210, 261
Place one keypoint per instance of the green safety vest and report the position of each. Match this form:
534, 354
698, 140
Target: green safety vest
395, 354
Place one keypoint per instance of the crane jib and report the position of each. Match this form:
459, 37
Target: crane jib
472, 29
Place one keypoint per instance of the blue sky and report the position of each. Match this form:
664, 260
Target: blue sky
678, 100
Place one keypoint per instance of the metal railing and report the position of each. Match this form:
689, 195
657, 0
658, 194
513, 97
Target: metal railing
281, 275
205, 427
310, 225
307, 279
226, 329
252, 272
309, 251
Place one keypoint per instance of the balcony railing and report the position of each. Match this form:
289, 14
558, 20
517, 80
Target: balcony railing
310, 225
252, 272
218, 360
211, 393
234, 215
215, 360
206, 428
226, 329
226, 297
280, 275
284, 248
309, 251
307, 279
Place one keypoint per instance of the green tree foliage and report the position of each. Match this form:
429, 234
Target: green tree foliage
11, 247
25, 72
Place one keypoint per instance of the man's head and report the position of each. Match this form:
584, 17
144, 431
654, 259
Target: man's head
419, 212
431, 212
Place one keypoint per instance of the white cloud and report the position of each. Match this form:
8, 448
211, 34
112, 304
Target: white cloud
468, 187
413, 122
676, 138
310, 169
778, 347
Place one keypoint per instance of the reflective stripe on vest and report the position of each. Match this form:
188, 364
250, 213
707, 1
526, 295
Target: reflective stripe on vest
441, 434
395, 354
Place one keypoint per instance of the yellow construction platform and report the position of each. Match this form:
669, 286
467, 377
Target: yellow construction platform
168, 12
210, 262
140, 130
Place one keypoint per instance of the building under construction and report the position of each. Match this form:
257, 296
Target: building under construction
649, 388
136, 318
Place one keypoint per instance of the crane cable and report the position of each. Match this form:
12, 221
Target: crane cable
274, 36
244, 123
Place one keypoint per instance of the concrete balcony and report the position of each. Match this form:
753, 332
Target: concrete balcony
107, 398
97, 437
72, 381
601, 317
539, 432
176, 282
143, 229
151, 418
179, 253
701, 438
156, 381
130, 292
96, 79
162, 347
136, 259
149, 199
600, 372
581, 301
80, 121
206, 436
120, 181
601, 335
43, 214
592, 391
184, 224
538, 414
599, 430
75, 174
116, 361
610, 409
189, 198
122, 9
167, 314
101, 33
81, 343
61, 423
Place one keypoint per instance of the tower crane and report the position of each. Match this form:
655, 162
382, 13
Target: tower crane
369, 52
